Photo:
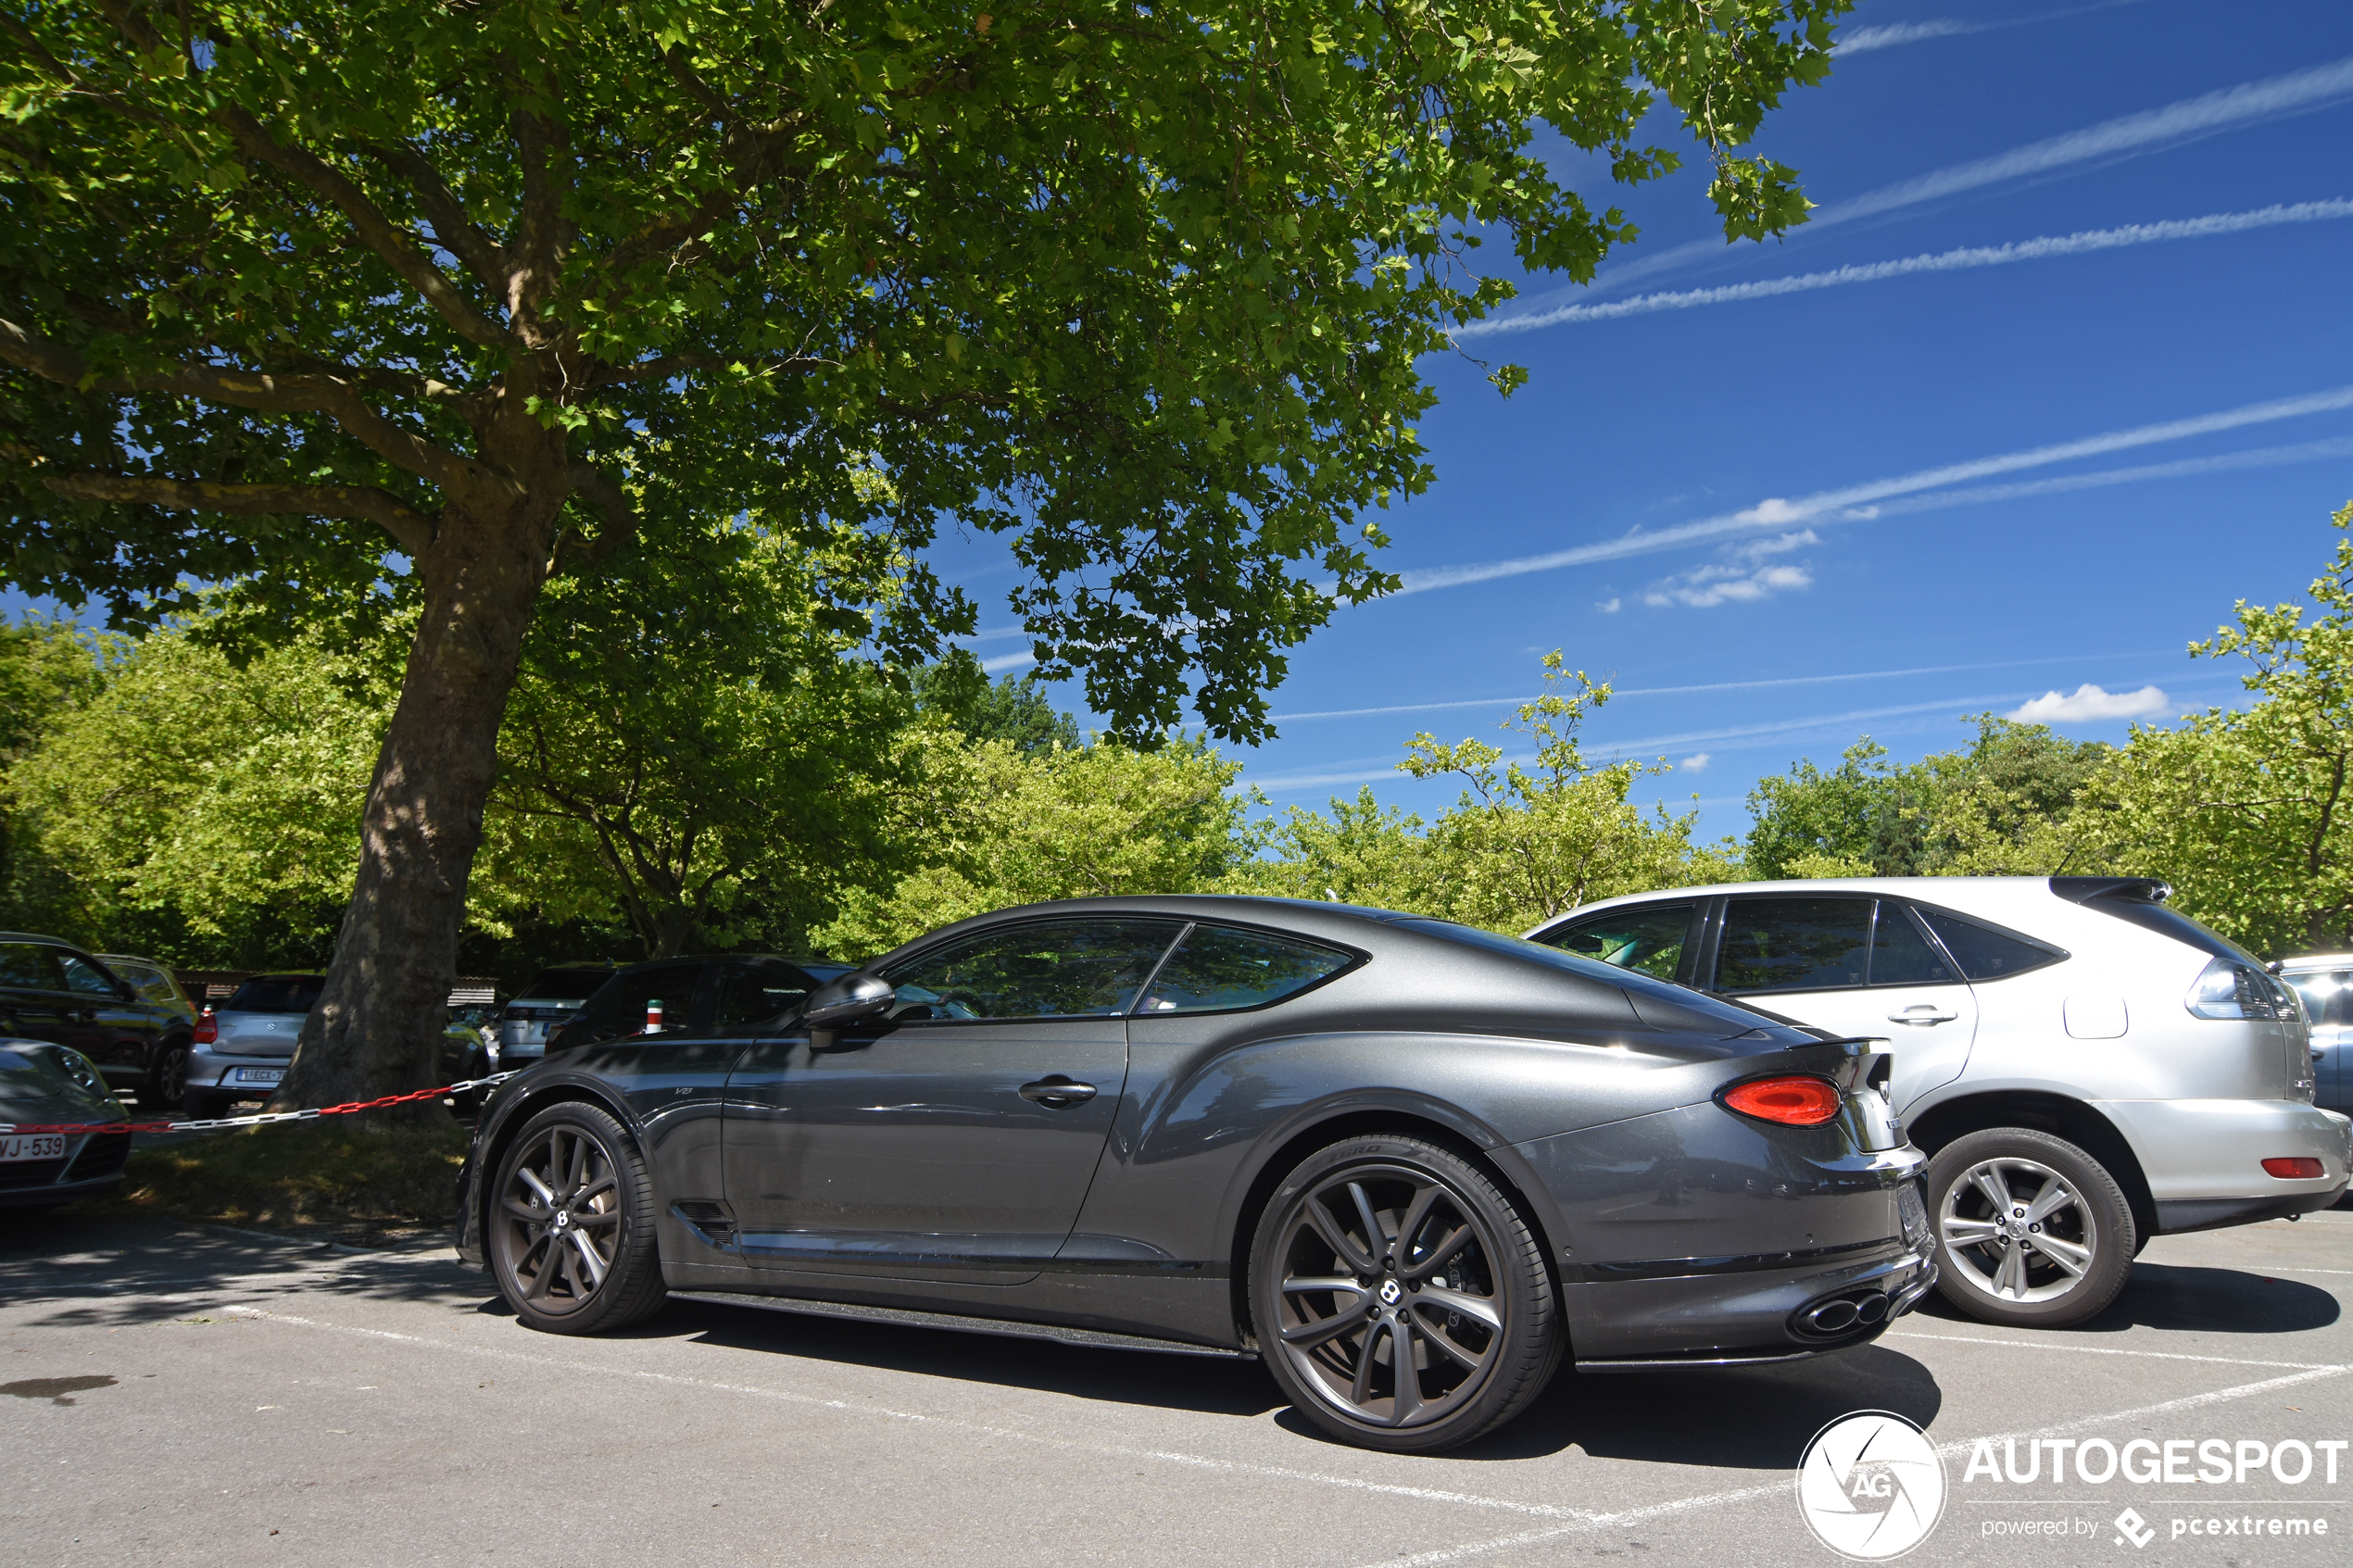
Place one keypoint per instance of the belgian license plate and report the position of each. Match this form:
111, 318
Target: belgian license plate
1913, 1213
263, 1075
31, 1145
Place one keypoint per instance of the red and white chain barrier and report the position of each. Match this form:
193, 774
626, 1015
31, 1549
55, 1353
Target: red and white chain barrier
262, 1119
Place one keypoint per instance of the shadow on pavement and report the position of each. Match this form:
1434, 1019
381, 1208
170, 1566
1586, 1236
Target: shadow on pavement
108, 1271
1732, 1418
1213, 1386
2175, 1295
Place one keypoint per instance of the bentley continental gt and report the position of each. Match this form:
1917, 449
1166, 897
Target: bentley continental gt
1408, 1164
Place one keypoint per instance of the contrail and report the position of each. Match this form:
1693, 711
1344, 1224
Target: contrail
1776, 513
1498, 702
2125, 137
1943, 261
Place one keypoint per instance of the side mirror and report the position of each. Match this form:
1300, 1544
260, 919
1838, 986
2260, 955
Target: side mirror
846, 1000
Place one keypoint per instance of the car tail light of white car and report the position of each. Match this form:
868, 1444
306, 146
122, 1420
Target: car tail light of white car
2227, 988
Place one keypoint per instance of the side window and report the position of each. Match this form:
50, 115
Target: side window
85, 977
756, 992
1649, 940
2325, 995
1900, 955
1217, 968
1984, 953
1793, 943
1050, 969
622, 1002
28, 966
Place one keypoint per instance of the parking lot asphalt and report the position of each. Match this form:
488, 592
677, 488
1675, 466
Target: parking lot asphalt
196, 1395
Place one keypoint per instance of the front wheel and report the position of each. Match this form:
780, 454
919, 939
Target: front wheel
2031, 1232
572, 1225
1399, 1298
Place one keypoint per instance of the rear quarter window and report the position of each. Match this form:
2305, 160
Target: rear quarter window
1985, 952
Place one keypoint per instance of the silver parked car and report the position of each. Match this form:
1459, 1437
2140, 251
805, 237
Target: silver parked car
241, 1051
545, 1006
2324, 982
2087, 1068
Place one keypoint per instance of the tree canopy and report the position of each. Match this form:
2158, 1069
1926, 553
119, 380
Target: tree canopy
373, 308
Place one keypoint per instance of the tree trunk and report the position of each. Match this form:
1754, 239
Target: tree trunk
378, 1028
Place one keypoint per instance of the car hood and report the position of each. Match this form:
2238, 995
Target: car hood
34, 1088
257, 1033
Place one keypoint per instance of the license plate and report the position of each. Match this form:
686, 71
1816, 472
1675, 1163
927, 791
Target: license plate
257, 1075
31, 1145
1913, 1212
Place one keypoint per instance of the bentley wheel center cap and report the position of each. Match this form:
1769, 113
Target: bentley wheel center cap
1390, 1291
562, 1219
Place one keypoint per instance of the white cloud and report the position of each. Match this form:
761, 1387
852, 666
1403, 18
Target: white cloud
1010, 661
1696, 763
1853, 502
1741, 576
2088, 703
1942, 261
1608, 606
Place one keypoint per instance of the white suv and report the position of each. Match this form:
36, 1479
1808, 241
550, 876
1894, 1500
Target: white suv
2086, 1068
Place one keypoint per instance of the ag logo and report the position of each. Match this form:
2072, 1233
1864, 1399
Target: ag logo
1871, 1485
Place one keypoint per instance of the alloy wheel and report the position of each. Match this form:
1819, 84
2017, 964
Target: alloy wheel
559, 1221
1389, 1305
2017, 1230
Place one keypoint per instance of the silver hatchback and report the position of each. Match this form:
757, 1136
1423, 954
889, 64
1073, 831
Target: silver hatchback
2087, 1067
241, 1051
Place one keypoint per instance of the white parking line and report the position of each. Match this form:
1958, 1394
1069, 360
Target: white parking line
943, 1423
2098, 1350
1744, 1494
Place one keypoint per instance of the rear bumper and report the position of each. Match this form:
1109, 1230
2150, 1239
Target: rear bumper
1693, 1235
2204, 1158
209, 1067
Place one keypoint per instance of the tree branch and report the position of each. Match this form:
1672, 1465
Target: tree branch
410, 528
456, 233
543, 142
285, 395
375, 231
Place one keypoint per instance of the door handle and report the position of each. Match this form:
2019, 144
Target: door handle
1057, 1092
1923, 1013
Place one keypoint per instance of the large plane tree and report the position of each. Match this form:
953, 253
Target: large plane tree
401, 307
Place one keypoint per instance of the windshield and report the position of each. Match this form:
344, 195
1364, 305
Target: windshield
278, 993
564, 985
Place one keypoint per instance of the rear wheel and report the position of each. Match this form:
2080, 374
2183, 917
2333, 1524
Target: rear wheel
572, 1225
167, 1083
1399, 1298
2031, 1231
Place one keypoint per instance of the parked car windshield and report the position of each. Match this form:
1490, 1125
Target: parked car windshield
278, 993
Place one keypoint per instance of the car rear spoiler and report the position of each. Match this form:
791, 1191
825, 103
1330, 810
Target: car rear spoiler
2133, 890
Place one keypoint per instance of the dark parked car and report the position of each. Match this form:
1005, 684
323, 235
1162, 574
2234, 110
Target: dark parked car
721, 993
44, 1083
1409, 1164
51, 990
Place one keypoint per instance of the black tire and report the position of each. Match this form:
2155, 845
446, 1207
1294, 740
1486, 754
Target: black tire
203, 1105
1465, 1286
569, 1231
2056, 1254
166, 1088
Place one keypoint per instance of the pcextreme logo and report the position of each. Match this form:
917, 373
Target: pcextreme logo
1871, 1485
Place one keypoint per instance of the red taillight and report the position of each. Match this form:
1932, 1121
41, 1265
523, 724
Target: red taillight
208, 1029
2295, 1168
1794, 1102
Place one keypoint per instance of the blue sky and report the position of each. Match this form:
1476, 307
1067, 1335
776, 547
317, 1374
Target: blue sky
2212, 357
